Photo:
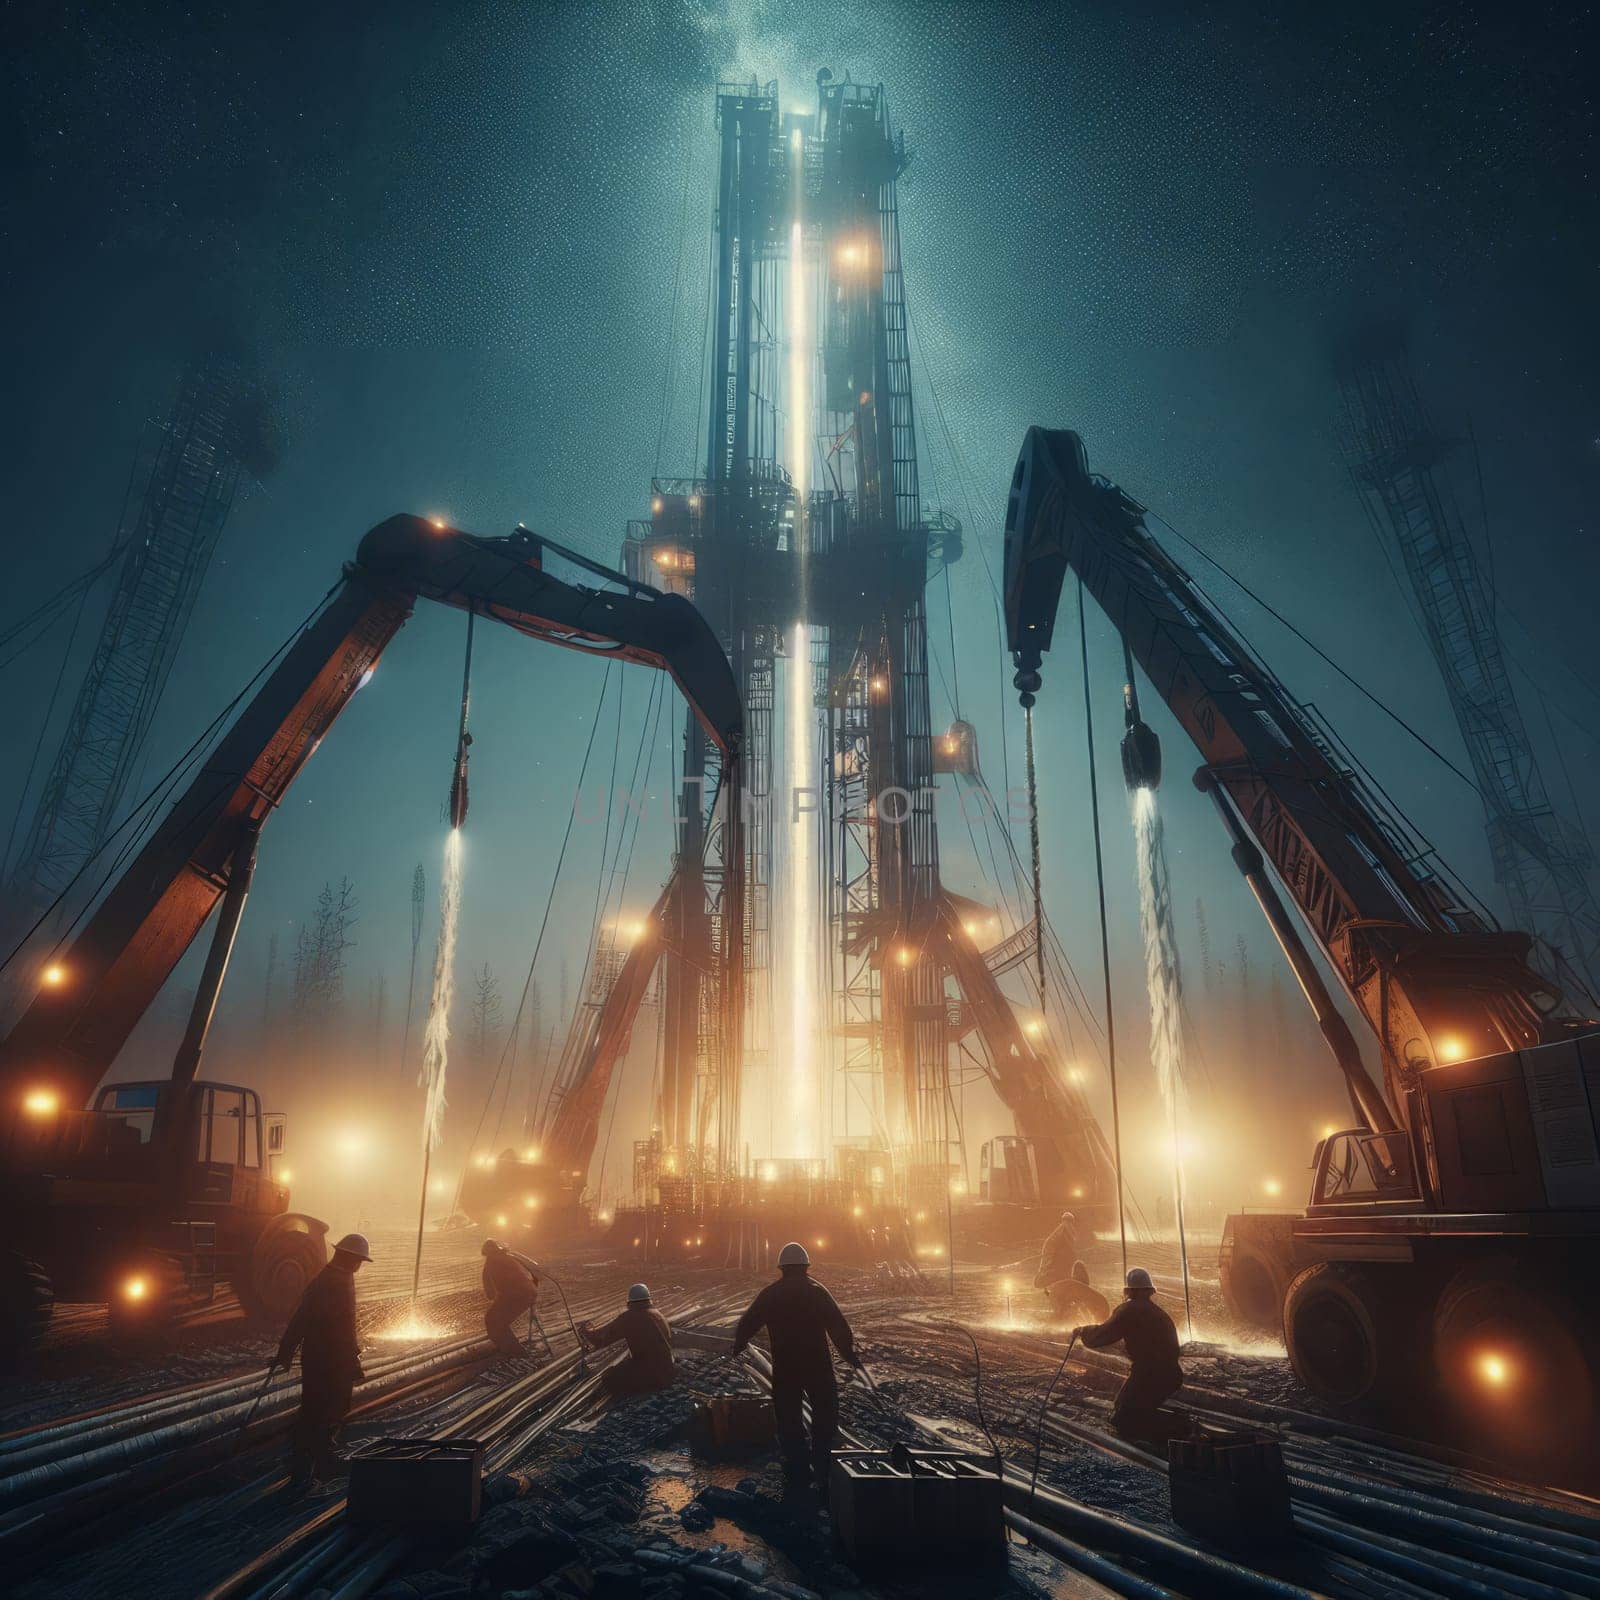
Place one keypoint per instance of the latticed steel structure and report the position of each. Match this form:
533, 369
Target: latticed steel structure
190, 480
1541, 860
823, 546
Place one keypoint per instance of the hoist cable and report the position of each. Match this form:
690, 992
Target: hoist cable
1033, 842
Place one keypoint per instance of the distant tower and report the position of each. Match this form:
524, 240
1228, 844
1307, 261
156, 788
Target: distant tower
1541, 861
215, 426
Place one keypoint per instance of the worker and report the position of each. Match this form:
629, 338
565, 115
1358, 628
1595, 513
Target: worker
511, 1282
800, 1317
647, 1367
1059, 1252
1151, 1339
323, 1330
1076, 1297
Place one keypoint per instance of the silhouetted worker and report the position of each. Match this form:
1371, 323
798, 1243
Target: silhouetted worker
323, 1330
1075, 1298
511, 1281
1151, 1340
1059, 1252
800, 1317
647, 1367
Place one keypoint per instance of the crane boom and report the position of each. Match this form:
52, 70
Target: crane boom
71, 1032
1434, 983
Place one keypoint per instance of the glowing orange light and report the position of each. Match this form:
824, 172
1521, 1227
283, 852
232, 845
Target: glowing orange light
694, 502
821, 1243
54, 975
438, 523
1494, 1369
531, 1201
284, 1175
501, 1221
879, 685
1077, 1192
1451, 1048
1271, 1188
905, 956
655, 505
1033, 1026
855, 1211
1328, 1130
136, 1288
41, 1103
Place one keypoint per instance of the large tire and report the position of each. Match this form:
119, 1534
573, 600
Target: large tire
1517, 1363
26, 1302
282, 1264
1252, 1290
1349, 1333
146, 1297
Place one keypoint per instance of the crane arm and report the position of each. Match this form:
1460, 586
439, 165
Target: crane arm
573, 1126
1075, 1163
71, 1032
1430, 979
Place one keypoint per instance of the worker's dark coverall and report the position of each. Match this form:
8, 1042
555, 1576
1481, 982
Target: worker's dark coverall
1154, 1376
1059, 1252
323, 1330
512, 1287
647, 1366
800, 1317
1071, 1301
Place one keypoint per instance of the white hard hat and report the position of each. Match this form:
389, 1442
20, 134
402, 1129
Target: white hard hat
794, 1255
355, 1244
639, 1294
1138, 1278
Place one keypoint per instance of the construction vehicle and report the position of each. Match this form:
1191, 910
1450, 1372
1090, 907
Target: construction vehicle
152, 1192
1445, 1255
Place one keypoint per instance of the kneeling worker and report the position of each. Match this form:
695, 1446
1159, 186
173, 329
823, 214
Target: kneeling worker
647, 1367
800, 1317
1151, 1339
323, 1330
1076, 1297
511, 1282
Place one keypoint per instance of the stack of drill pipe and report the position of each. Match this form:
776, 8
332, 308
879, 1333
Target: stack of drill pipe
130, 1468
1514, 1564
352, 1564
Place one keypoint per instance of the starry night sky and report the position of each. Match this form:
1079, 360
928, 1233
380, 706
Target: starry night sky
451, 235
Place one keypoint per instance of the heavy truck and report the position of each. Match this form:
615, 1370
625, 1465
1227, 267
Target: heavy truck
147, 1195
1443, 1264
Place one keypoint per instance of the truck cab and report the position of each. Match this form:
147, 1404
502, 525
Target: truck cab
146, 1200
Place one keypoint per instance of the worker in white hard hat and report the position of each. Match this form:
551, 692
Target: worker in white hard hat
323, 1330
511, 1284
1151, 1340
647, 1367
800, 1317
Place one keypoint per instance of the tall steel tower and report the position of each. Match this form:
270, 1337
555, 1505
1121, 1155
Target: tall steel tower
806, 545
189, 489
1541, 860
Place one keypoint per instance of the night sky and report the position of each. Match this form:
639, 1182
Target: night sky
450, 235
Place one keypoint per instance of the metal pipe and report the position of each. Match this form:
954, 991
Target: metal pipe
1367, 1097
243, 868
1449, 1574
1081, 1559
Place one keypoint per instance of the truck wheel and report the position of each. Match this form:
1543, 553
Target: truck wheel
281, 1266
1517, 1364
1250, 1290
1346, 1332
26, 1301
146, 1296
